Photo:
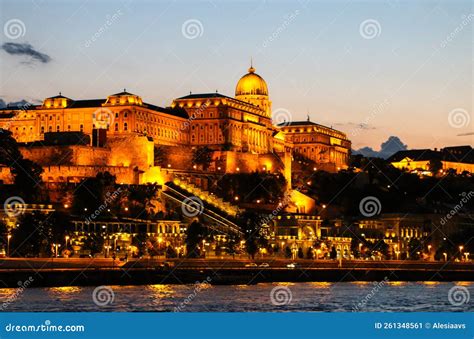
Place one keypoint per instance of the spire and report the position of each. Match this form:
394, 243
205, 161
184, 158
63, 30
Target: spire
251, 69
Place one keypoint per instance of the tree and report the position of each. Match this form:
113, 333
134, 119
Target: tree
26, 173
435, 165
251, 225
94, 244
300, 253
194, 236
231, 247
202, 156
34, 236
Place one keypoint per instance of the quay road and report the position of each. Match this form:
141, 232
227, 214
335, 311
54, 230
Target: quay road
103, 271
225, 263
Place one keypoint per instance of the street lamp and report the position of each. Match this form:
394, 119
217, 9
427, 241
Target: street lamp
67, 238
467, 255
445, 256
9, 236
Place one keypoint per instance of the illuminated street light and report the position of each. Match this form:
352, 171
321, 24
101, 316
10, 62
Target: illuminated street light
445, 256
67, 238
467, 255
9, 236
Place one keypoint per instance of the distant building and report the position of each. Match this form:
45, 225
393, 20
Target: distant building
457, 158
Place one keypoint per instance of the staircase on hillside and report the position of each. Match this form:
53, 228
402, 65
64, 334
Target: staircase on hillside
221, 214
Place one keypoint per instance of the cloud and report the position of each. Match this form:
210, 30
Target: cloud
387, 148
25, 49
465, 134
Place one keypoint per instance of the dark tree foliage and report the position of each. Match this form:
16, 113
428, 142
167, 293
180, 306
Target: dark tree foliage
251, 224
27, 174
195, 234
250, 187
93, 192
202, 156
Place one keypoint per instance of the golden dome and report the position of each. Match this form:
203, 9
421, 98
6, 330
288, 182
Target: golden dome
251, 84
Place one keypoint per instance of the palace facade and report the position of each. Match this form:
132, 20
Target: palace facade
235, 128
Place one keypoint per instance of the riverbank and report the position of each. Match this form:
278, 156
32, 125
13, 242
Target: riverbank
92, 272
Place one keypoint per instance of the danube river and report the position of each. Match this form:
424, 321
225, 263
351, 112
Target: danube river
383, 296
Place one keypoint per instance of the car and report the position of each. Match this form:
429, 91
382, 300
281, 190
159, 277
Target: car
252, 264
293, 265
264, 265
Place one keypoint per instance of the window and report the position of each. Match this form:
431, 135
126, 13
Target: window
125, 126
69, 128
50, 129
116, 127
50, 117
57, 128
116, 115
125, 115
81, 128
42, 129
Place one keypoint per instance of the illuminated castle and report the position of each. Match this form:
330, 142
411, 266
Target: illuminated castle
125, 131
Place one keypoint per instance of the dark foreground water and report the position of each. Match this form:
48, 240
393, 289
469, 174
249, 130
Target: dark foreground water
327, 297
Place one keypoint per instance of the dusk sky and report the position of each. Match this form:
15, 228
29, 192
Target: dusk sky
406, 72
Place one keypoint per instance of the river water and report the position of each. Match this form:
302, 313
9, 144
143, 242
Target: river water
266, 297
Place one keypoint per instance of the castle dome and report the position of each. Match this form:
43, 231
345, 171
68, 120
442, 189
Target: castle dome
251, 84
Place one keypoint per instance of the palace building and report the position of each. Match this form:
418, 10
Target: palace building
238, 129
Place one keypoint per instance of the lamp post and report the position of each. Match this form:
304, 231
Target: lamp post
460, 250
9, 236
67, 238
429, 252
445, 256
467, 255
